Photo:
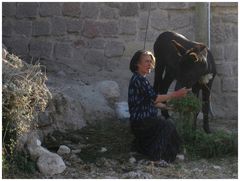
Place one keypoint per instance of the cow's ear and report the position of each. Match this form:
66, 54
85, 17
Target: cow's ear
180, 49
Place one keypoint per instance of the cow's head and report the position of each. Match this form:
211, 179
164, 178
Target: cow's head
192, 63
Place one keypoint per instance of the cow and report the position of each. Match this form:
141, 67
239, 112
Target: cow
188, 62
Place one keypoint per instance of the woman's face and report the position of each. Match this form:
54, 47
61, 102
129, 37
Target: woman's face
145, 64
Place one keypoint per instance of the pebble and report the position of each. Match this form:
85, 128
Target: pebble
216, 167
63, 150
76, 151
180, 157
103, 149
132, 160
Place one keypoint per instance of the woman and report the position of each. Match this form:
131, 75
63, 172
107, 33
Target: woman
154, 137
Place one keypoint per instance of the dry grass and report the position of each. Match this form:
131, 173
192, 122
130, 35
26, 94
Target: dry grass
24, 94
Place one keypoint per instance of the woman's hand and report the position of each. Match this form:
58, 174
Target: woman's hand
162, 106
180, 93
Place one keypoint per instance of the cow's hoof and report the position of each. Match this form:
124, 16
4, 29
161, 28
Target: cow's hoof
207, 130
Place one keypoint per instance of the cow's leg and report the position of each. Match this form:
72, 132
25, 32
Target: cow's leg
205, 107
195, 89
167, 80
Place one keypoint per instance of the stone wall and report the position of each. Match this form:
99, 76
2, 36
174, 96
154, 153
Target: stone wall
90, 42
224, 46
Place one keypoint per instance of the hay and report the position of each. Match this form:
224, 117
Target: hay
24, 94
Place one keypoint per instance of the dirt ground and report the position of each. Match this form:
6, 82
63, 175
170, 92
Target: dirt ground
220, 168
106, 154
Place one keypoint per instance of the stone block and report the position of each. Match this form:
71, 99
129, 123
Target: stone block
27, 10
97, 43
234, 31
235, 69
108, 13
41, 28
80, 43
224, 69
224, 4
231, 52
217, 51
95, 57
176, 21
113, 4
231, 103
226, 106
221, 33
230, 18
172, 5
18, 46
7, 28
9, 9
142, 22
159, 20
71, 9
63, 50
129, 9
41, 48
58, 26
91, 29
50, 9
108, 29
217, 85
127, 26
114, 49
90, 10
74, 25
229, 84
151, 35
144, 6
78, 54
23, 27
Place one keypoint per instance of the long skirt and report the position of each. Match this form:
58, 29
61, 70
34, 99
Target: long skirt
156, 138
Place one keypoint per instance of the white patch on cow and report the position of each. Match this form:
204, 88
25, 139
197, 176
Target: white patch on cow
206, 78
203, 55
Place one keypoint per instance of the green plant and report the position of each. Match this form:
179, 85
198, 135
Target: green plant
197, 143
186, 108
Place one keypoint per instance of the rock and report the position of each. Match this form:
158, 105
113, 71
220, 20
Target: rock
114, 49
50, 164
122, 110
103, 149
36, 151
109, 89
4, 52
137, 175
76, 151
217, 167
180, 157
132, 160
63, 150
110, 177
65, 112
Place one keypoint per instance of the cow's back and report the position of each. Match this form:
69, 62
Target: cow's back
164, 49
